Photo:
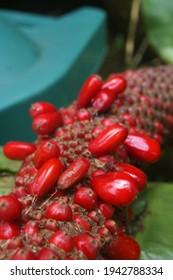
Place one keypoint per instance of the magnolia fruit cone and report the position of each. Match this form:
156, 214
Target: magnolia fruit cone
79, 178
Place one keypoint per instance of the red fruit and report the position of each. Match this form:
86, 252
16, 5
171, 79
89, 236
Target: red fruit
62, 239
136, 173
110, 225
123, 247
51, 224
75, 172
82, 221
91, 86
115, 83
15, 243
85, 243
46, 123
108, 140
47, 254
41, 107
23, 254
83, 115
103, 100
97, 172
59, 210
86, 198
142, 147
47, 149
115, 188
8, 230
46, 177
106, 209
31, 227
18, 150
10, 208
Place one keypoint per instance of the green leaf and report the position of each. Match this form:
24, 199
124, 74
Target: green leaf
11, 166
156, 235
6, 184
158, 18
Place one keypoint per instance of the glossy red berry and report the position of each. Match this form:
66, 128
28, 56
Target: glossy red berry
76, 171
108, 140
46, 123
47, 149
15, 243
62, 239
142, 147
23, 254
106, 209
115, 188
46, 177
85, 243
59, 210
83, 114
10, 208
47, 254
85, 197
137, 174
31, 227
82, 221
103, 100
41, 107
115, 83
8, 230
123, 247
91, 86
18, 150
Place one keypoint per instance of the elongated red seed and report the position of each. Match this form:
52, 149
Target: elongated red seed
46, 123
115, 83
136, 173
46, 177
18, 150
76, 171
41, 107
91, 86
142, 147
103, 100
47, 149
115, 188
108, 140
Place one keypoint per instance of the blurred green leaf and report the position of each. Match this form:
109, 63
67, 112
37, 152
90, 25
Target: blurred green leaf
12, 166
156, 234
158, 18
6, 184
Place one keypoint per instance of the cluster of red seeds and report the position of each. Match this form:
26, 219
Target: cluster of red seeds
72, 194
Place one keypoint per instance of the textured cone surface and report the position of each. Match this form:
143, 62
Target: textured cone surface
148, 99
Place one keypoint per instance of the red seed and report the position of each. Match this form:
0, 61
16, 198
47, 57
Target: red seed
86, 198
46, 123
31, 227
84, 242
59, 210
136, 173
8, 230
106, 209
47, 254
82, 221
83, 115
103, 100
142, 147
46, 177
23, 254
75, 172
62, 240
115, 83
123, 247
10, 208
115, 188
47, 149
41, 108
17, 150
108, 140
91, 86
15, 243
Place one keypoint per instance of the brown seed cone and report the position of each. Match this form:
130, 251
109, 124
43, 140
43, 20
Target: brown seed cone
148, 100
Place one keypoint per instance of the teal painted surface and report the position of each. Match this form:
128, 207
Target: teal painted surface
45, 58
